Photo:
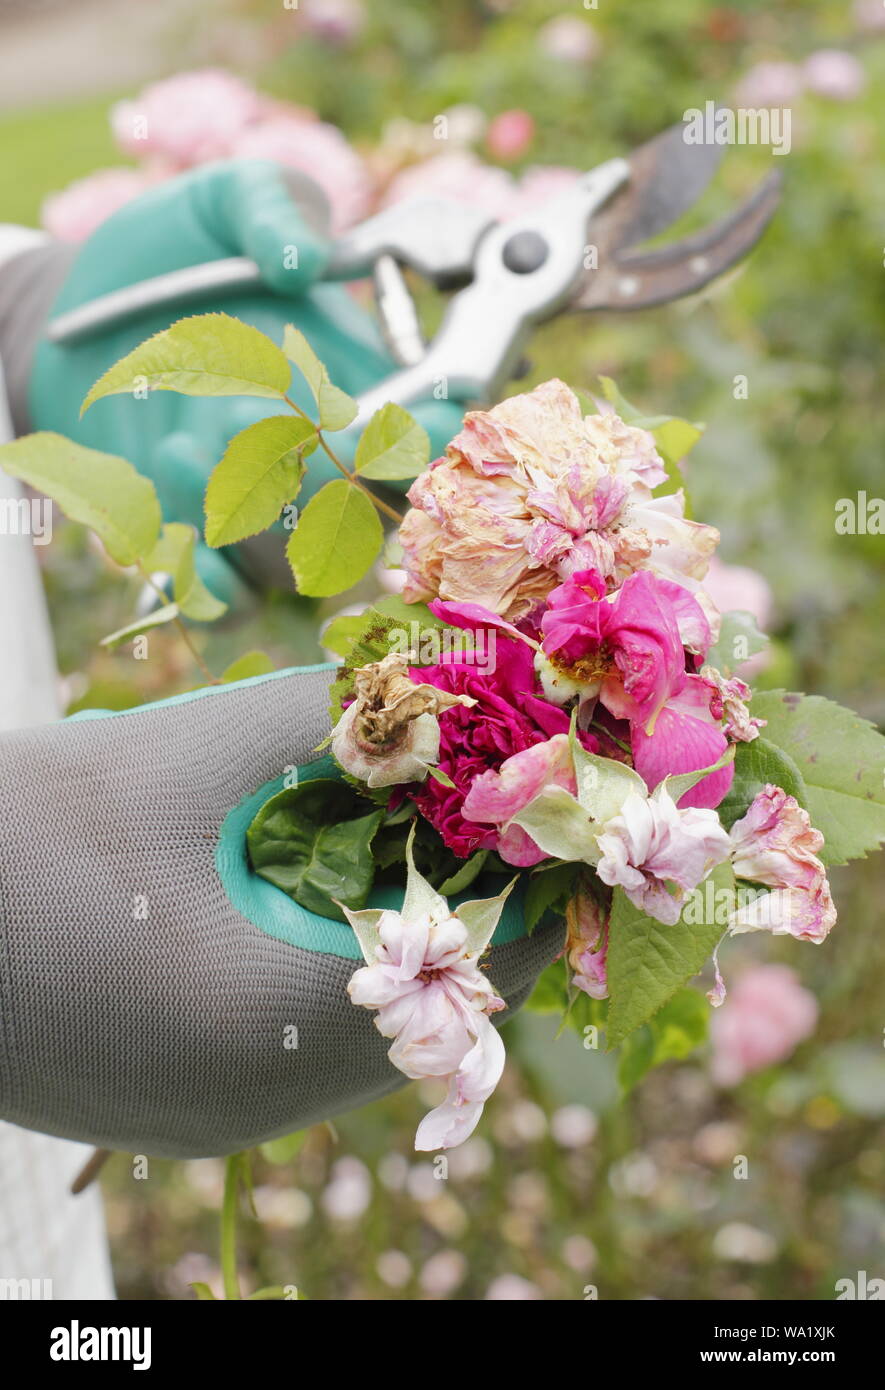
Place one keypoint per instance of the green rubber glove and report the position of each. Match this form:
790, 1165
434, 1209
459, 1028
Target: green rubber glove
237, 207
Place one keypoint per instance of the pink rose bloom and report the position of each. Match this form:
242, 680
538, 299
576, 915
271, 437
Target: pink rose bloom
834, 74
509, 134
531, 491
766, 1016
869, 15
567, 39
458, 175
318, 150
628, 649
433, 1000
769, 84
497, 796
539, 184
186, 119
587, 943
775, 844
687, 735
651, 844
509, 717
334, 21
73, 214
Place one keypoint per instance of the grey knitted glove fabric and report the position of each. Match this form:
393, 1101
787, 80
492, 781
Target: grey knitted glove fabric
138, 1008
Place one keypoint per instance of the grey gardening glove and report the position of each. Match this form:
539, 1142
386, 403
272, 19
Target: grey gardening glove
150, 983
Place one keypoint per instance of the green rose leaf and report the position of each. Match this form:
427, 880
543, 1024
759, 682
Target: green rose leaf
157, 618
674, 438
205, 355
101, 491
472, 868
739, 638
314, 842
647, 961
249, 664
337, 537
841, 759
674, 1032
260, 472
393, 445
174, 555
548, 890
336, 408
559, 825
340, 634
756, 764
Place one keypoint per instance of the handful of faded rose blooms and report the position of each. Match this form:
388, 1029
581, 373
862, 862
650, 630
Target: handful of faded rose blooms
555, 694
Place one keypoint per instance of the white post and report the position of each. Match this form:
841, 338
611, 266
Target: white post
54, 1241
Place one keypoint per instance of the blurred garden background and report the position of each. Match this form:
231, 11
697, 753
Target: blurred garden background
567, 1187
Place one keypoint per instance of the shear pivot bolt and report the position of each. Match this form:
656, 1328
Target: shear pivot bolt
525, 252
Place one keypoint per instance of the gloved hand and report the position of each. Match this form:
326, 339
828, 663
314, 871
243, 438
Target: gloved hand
237, 207
149, 981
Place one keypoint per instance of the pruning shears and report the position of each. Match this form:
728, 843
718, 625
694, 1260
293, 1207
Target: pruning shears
580, 251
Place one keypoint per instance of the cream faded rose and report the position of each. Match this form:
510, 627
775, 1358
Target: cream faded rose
532, 491
390, 733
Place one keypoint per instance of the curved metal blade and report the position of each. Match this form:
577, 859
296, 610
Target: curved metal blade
638, 279
667, 177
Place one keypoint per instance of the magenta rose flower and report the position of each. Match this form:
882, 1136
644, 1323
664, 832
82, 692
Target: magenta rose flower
508, 717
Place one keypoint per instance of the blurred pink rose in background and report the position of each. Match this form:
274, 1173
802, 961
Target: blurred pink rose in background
510, 134
834, 74
739, 587
186, 119
568, 39
869, 15
458, 175
335, 21
769, 84
767, 1014
74, 213
317, 149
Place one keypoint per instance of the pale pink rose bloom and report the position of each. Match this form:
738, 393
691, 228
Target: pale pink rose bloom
568, 39
767, 1014
869, 15
75, 212
834, 74
509, 134
186, 119
775, 842
318, 150
651, 843
434, 1001
776, 845
335, 21
495, 797
459, 175
769, 84
588, 943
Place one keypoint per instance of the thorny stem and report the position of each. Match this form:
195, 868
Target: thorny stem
182, 630
342, 467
